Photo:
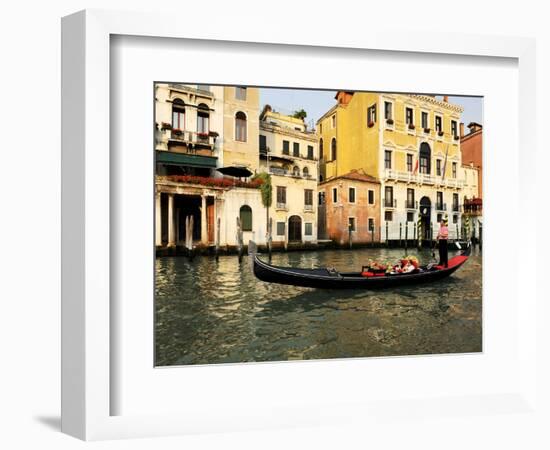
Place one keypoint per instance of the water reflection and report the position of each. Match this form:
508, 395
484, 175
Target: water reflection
218, 312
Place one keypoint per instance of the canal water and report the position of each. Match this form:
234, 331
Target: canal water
211, 312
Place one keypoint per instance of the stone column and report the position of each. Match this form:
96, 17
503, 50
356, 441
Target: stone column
171, 228
158, 220
204, 232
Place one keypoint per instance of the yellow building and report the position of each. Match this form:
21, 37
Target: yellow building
288, 151
410, 142
241, 110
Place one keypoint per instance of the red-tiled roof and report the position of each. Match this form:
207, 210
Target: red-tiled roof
358, 175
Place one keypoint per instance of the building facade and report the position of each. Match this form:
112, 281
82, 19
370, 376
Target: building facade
410, 143
351, 205
197, 133
472, 159
289, 153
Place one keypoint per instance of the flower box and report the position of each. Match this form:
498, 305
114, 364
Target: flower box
426, 130
440, 133
213, 134
177, 132
456, 137
389, 121
165, 126
411, 126
202, 135
370, 124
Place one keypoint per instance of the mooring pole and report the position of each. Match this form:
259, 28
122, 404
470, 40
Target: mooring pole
431, 234
240, 239
269, 234
406, 235
387, 241
419, 228
349, 235
218, 239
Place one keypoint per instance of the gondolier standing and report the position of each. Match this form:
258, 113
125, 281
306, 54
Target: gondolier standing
442, 237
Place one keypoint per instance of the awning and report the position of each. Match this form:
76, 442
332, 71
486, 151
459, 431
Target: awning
235, 171
186, 159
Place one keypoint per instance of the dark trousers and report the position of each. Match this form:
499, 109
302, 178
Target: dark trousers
443, 253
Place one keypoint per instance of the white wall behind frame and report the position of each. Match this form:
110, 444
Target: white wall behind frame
161, 390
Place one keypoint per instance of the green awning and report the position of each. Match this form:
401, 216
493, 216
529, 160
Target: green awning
186, 159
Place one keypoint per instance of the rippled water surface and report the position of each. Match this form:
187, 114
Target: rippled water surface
218, 312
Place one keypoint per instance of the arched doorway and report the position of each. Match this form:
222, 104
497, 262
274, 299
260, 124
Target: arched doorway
425, 216
425, 158
294, 228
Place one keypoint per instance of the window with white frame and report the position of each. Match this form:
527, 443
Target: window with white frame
351, 195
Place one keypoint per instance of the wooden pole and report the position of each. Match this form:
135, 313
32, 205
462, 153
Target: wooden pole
400, 239
406, 235
239, 239
419, 228
349, 235
387, 242
218, 239
269, 239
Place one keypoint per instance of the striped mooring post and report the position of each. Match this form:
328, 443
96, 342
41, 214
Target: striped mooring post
419, 232
467, 227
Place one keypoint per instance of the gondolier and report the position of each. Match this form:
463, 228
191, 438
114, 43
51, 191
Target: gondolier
442, 237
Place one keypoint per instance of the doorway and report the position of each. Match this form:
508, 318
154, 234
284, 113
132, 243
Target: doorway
294, 228
425, 216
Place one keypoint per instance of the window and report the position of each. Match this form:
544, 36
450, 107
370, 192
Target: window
371, 115
308, 197
245, 215
281, 228
438, 167
296, 149
410, 198
424, 120
281, 196
263, 143
409, 117
409, 162
388, 216
286, 148
351, 196
321, 198
296, 171
321, 149
454, 170
371, 197
333, 149
310, 152
351, 223
371, 224
306, 172
388, 200
240, 126
425, 158
334, 195
308, 230
439, 201
388, 113
320, 128
178, 115
410, 216
438, 123
455, 218
455, 202
333, 121
439, 217
453, 128
424, 164
203, 117
387, 159
240, 93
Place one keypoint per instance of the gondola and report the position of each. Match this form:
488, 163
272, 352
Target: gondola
331, 279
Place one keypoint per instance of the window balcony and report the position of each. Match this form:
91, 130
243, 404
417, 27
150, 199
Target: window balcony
281, 206
411, 204
389, 203
308, 207
456, 208
441, 206
203, 140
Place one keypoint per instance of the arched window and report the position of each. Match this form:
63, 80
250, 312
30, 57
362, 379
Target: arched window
425, 158
240, 126
321, 149
245, 214
296, 171
306, 172
203, 118
178, 114
333, 149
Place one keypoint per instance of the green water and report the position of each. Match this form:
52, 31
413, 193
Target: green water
218, 312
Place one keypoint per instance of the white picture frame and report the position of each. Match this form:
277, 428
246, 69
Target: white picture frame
87, 385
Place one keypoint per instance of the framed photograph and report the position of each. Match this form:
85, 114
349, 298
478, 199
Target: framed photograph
247, 246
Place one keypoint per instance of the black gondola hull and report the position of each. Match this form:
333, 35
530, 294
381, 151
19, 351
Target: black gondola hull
325, 279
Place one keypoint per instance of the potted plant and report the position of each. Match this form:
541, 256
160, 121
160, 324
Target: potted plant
213, 134
411, 126
456, 137
177, 132
440, 133
202, 135
370, 124
165, 126
389, 121
426, 130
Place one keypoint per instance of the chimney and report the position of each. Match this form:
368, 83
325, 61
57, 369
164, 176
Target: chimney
461, 129
446, 98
